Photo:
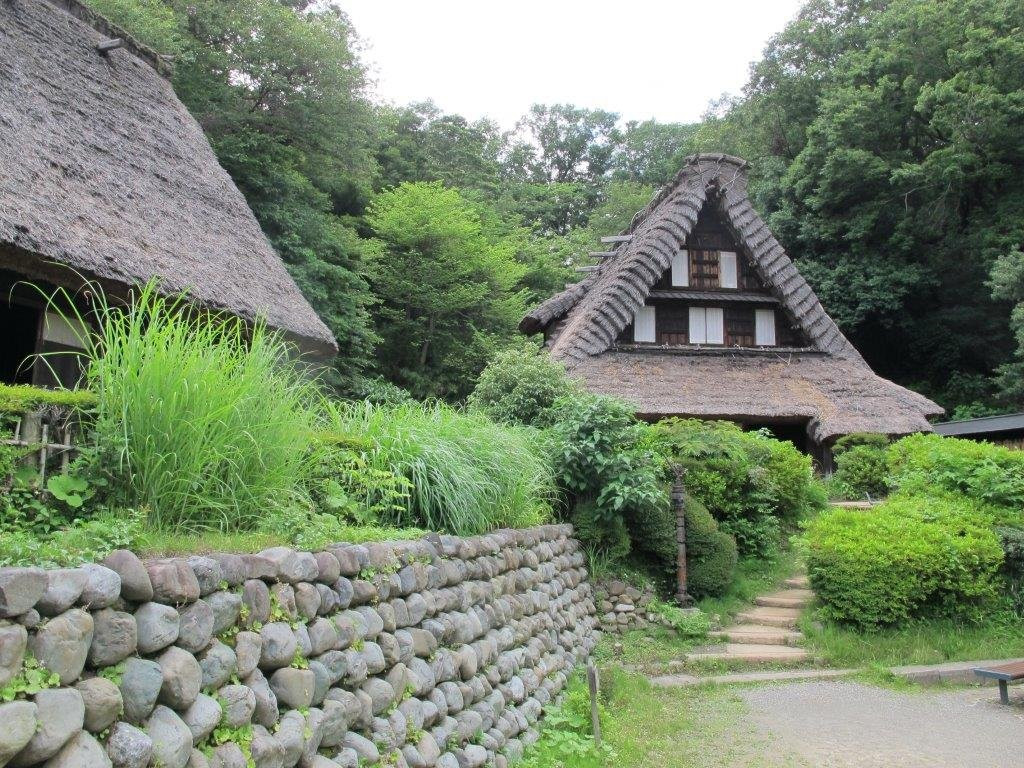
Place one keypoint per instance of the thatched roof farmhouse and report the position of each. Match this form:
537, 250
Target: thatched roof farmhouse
698, 311
104, 171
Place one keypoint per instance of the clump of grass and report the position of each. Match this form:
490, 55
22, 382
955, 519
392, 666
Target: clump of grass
466, 473
202, 419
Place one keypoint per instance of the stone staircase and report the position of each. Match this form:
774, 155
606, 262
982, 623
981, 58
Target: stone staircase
766, 632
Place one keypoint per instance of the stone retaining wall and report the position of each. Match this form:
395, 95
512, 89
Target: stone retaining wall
438, 652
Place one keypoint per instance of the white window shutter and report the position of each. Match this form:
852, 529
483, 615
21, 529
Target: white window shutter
715, 320
698, 327
727, 269
681, 269
764, 327
643, 325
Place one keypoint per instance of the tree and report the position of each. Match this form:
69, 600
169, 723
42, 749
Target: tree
563, 144
448, 292
650, 152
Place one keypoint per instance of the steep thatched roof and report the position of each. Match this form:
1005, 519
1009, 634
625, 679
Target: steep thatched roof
829, 385
104, 170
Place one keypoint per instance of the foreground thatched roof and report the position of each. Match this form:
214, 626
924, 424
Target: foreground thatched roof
828, 384
104, 170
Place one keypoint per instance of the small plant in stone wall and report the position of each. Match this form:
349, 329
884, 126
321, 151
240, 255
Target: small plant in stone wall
32, 678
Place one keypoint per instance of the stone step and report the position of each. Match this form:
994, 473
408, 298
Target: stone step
798, 582
771, 616
751, 654
786, 598
758, 634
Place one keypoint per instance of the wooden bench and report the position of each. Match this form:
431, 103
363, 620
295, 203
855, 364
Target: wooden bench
1003, 674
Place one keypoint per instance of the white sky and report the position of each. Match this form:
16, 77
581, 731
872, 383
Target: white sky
664, 59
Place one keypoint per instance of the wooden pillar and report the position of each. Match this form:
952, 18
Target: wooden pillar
679, 509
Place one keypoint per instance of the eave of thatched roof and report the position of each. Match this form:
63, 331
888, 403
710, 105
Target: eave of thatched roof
835, 396
102, 169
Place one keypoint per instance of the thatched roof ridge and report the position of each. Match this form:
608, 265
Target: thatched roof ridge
836, 396
105, 171
595, 317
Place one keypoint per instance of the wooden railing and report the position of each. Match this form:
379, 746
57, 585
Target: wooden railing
48, 436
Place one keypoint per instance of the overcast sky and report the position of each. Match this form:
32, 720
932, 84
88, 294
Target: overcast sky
664, 59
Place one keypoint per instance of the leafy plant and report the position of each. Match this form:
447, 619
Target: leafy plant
32, 678
520, 386
688, 623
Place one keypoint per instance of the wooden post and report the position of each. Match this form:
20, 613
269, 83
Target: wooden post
679, 508
595, 715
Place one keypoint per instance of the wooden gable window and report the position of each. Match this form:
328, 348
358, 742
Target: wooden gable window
643, 325
703, 269
681, 270
739, 327
728, 270
765, 328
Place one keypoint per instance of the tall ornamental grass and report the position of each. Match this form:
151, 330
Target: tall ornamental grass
467, 474
202, 419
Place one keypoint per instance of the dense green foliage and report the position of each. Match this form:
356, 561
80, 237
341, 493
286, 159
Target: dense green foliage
710, 553
861, 472
17, 399
464, 473
750, 482
521, 386
911, 557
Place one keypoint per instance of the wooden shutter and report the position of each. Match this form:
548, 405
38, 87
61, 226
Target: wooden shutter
681, 269
703, 269
715, 325
727, 269
764, 327
739, 326
643, 325
698, 326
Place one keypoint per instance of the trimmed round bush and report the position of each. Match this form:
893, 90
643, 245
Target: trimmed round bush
861, 471
520, 386
603, 534
910, 557
710, 553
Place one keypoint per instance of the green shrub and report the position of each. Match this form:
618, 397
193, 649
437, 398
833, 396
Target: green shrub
199, 418
606, 537
82, 541
854, 439
711, 554
693, 624
1012, 541
926, 464
749, 481
16, 399
465, 474
861, 471
910, 557
520, 386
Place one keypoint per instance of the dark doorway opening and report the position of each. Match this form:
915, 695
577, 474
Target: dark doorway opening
793, 433
20, 324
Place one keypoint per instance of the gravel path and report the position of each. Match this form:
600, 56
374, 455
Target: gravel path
836, 724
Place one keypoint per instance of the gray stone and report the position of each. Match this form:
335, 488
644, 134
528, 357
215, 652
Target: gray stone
313, 734
202, 717
334, 723
373, 656
239, 704
323, 636
319, 761
196, 627
291, 566
226, 607
232, 567
279, 645
336, 664
174, 582
218, 664
141, 682
381, 694
349, 561
307, 600
172, 740
197, 760
293, 687
62, 644
30, 619
291, 734
345, 592
328, 599
13, 641
347, 758
282, 601
60, 714
228, 756
63, 587
102, 700
256, 599
102, 587
182, 676
20, 590
82, 751
128, 747
157, 626
135, 584
208, 573
363, 592
20, 723
266, 702
258, 567
362, 746
114, 638
248, 649
267, 751
328, 567
322, 681
372, 620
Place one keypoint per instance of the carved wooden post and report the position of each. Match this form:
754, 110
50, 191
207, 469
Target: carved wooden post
679, 508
